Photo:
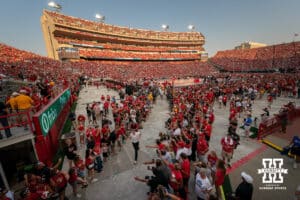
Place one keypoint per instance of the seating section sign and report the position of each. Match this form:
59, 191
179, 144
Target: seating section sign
49, 116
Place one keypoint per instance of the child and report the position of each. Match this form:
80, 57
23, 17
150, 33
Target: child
74, 179
98, 160
89, 163
79, 165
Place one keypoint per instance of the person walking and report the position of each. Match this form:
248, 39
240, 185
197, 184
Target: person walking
135, 137
228, 146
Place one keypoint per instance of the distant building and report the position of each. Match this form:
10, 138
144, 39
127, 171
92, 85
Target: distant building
250, 45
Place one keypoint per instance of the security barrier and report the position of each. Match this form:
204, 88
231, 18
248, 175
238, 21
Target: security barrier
273, 124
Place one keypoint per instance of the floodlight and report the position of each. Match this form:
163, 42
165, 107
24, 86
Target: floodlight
99, 17
165, 27
52, 4
191, 27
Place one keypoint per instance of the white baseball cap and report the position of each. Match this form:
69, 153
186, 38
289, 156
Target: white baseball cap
247, 177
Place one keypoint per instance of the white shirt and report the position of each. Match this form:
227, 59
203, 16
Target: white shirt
201, 186
182, 150
167, 157
135, 136
177, 132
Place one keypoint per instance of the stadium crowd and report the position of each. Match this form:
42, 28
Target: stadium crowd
281, 56
189, 126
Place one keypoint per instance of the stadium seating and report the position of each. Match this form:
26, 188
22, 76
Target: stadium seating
281, 56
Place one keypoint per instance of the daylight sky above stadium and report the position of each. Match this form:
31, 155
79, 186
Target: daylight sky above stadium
224, 23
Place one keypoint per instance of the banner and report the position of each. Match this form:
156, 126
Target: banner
48, 117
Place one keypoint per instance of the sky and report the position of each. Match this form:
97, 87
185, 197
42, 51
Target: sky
224, 23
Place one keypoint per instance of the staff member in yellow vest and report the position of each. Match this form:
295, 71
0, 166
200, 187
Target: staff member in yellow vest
24, 103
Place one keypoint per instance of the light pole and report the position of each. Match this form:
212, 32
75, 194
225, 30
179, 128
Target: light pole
54, 5
100, 18
191, 27
295, 35
165, 27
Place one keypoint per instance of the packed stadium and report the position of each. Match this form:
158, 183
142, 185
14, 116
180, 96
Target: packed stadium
116, 112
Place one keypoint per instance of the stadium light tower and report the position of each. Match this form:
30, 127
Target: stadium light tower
165, 27
54, 5
191, 27
100, 18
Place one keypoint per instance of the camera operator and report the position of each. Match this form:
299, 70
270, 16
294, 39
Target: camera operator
161, 172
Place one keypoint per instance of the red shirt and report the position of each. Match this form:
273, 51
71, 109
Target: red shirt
220, 176
212, 159
207, 130
227, 144
202, 146
81, 127
81, 118
176, 174
80, 165
73, 178
88, 161
185, 166
161, 146
104, 130
60, 180
106, 105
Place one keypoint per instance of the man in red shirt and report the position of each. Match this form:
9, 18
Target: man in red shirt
207, 131
185, 170
202, 148
228, 145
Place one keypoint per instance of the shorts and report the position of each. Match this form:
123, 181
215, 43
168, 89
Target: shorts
227, 155
81, 173
105, 154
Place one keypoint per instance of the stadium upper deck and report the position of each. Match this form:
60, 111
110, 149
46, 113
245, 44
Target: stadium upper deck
96, 40
270, 58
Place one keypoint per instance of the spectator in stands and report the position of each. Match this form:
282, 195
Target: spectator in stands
24, 104
43, 88
4, 121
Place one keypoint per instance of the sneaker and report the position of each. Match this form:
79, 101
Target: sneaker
78, 195
135, 162
94, 180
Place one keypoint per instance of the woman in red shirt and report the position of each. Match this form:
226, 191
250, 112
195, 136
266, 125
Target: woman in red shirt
220, 175
176, 181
